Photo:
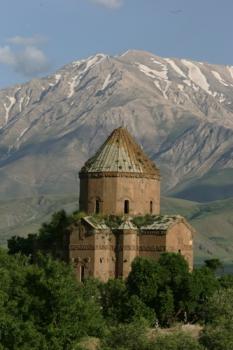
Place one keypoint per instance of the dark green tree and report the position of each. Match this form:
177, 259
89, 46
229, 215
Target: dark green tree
203, 284
127, 337
145, 280
213, 264
42, 306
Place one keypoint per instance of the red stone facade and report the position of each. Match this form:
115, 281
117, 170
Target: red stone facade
108, 194
120, 180
108, 253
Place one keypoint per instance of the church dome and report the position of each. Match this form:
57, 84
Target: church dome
120, 154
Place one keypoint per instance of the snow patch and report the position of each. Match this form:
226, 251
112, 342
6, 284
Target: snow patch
188, 82
161, 78
107, 82
21, 103
163, 72
156, 62
175, 67
73, 83
22, 134
197, 76
28, 98
152, 73
93, 60
222, 98
219, 78
90, 63
9, 107
125, 53
57, 80
230, 69
180, 87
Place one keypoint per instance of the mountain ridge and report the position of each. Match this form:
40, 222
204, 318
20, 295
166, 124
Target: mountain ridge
181, 111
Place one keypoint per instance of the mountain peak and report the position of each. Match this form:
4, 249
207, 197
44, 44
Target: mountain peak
181, 112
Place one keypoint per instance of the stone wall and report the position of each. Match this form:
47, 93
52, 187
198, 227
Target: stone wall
179, 238
142, 193
106, 254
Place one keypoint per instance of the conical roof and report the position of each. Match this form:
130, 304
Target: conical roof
120, 153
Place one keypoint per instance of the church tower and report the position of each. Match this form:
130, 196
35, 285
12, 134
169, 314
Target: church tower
120, 179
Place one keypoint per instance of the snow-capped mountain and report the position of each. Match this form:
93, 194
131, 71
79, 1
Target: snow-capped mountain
181, 112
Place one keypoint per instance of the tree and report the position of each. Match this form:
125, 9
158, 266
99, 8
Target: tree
114, 298
145, 279
127, 337
213, 264
226, 281
174, 294
220, 307
52, 238
218, 333
202, 285
217, 338
43, 306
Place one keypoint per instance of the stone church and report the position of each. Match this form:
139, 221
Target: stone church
120, 196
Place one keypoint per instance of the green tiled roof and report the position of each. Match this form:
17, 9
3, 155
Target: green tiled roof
152, 223
120, 153
162, 222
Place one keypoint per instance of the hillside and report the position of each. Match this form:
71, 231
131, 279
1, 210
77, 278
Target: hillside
181, 112
213, 221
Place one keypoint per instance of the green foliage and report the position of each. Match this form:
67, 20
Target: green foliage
23, 245
218, 333
217, 338
114, 298
166, 307
42, 306
140, 221
220, 307
213, 264
145, 279
226, 281
127, 337
163, 286
175, 341
202, 285
52, 238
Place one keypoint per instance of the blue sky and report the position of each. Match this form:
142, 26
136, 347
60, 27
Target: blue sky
39, 36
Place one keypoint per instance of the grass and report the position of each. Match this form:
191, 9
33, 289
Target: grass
212, 186
213, 222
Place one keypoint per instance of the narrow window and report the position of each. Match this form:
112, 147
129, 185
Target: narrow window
151, 207
126, 207
97, 206
82, 273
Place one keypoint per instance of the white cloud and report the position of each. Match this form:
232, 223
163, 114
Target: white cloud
27, 60
27, 41
108, 3
6, 56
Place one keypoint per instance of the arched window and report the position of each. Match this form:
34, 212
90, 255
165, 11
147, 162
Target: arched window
126, 207
82, 273
97, 206
151, 207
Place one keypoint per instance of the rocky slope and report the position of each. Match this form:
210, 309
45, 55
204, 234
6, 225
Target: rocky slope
179, 110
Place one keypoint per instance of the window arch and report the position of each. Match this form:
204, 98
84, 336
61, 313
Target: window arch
97, 206
82, 273
151, 207
126, 206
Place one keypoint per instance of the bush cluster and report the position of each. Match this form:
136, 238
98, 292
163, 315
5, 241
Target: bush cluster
42, 306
